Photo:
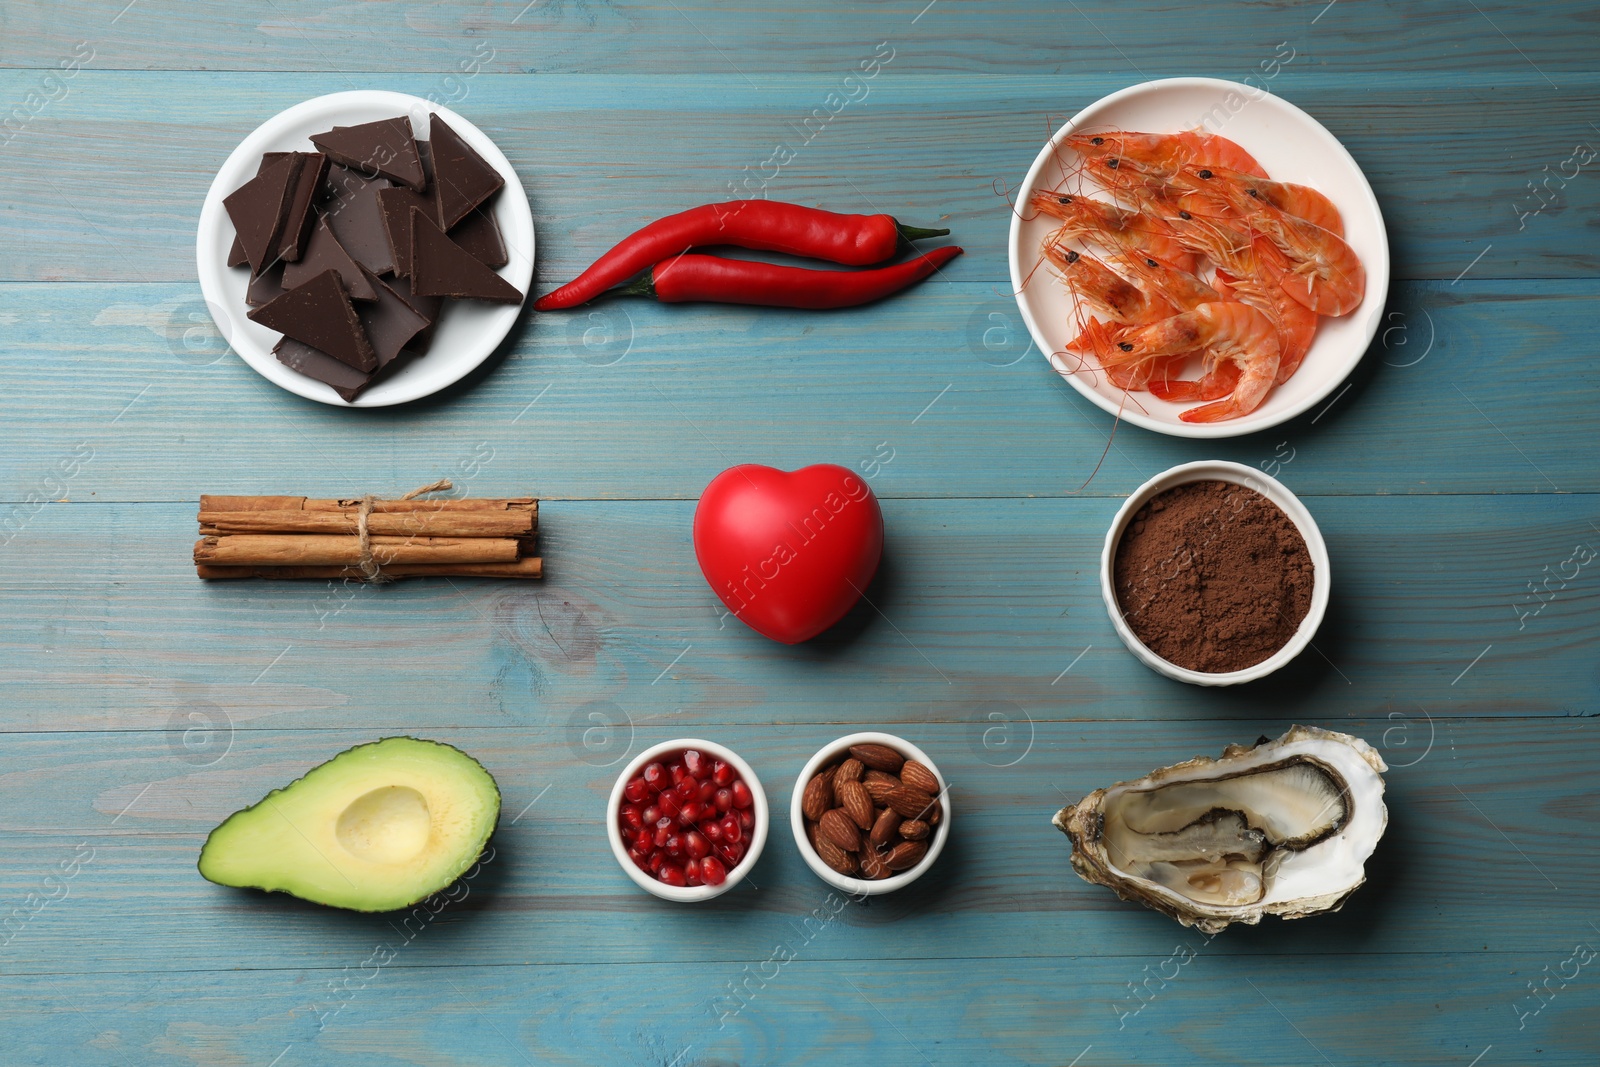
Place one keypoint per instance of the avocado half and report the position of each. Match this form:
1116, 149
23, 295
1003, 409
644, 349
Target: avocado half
378, 827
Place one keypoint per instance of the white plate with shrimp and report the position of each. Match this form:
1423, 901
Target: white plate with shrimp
1292, 148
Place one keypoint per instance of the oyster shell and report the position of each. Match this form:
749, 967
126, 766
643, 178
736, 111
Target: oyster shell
1278, 828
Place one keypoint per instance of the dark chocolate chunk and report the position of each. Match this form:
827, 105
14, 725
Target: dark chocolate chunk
257, 209
319, 314
440, 267
236, 256
462, 180
479, 235
355, 218
266, 287
302, 358
297, 221
324, 252
396, 206
427, 306
390, 322
384, 147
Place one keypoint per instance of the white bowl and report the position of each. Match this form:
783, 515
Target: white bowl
1273, 490
1293, 147
758, 836
468, 330
866, 887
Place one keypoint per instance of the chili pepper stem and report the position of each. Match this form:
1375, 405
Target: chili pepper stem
643, 286
917, 233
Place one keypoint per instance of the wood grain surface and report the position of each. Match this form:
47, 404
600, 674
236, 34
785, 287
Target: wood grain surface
1453, 479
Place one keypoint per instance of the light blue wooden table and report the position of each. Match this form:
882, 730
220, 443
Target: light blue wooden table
1453, 481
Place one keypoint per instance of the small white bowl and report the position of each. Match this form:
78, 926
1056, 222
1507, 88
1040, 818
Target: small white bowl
758, 836
864, 886
1273, 490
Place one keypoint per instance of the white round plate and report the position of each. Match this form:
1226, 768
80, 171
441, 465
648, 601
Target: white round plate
468, 330
1292, 147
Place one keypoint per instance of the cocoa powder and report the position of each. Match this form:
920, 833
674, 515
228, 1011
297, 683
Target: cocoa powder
1213, 576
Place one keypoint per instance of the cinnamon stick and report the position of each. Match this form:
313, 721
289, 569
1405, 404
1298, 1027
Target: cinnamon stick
456, 523
522, 568
213, 502
290, 550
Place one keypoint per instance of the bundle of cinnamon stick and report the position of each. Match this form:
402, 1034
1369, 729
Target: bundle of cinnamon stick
297, 537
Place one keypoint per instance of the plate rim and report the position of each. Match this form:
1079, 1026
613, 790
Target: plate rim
214, 219
1377, 273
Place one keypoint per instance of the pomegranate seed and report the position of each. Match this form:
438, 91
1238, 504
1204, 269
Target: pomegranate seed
674, 844
670, 804
687, 789
724, 799
741, 795
658, 860
722, 773
636, 790
644, 840
650, 815
696, 845
672, 874
678, 773
747, 819
630, 819
694, 761
655, 775
708, 789
661, 836
691, 873
731, 830
731, 854
712, 829
691, 813
712, 870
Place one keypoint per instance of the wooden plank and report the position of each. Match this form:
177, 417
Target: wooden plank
933, 393
134, 808
954, 38
84, 211
985, 604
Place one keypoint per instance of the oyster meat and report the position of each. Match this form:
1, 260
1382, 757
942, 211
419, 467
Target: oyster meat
1278, 828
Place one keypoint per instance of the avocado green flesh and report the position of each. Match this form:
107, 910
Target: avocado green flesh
378, 827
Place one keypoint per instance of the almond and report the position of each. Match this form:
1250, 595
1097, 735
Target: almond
873, 865
905, 855
913, 829
836, 857
817, 798
912, 803
878, 757
878, 788
884, 827
918, 776
857, 804
837, 827
849, 771
936, 813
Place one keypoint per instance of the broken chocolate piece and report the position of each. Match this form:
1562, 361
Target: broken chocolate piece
390, 322
426, 306
236, 256
266, 287
355, 218
383, 147
299, 217
319, 313
479, 235
396, 206
324, 252
440, 267
257, 209
462, 180
302, 358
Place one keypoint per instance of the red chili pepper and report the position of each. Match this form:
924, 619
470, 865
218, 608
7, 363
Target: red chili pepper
854, 240
740, 281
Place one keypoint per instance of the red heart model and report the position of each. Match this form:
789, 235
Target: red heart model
788, 552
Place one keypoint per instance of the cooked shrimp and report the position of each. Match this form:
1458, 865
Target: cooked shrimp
1112, 226
1225, 332
1228, 185
1168, 151
1177, 286
1150, 187
1119, 300
1324, 273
